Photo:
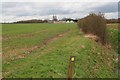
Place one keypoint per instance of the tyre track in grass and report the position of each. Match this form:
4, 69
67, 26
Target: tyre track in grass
27, 51
50, 40
6, 72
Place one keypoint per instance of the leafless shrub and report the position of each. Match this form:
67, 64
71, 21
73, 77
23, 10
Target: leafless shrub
94, 24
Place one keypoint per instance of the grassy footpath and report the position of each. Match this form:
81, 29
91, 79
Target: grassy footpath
52, 60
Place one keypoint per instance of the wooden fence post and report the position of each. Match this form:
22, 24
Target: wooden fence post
71, 68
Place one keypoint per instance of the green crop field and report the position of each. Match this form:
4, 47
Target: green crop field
43, 50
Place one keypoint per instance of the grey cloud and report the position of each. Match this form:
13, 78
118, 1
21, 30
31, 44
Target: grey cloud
108, 8
30, 9
45, 9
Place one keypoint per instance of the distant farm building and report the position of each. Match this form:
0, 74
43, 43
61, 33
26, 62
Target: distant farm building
69, 20
64, 20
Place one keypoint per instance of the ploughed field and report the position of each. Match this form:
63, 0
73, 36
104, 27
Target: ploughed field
43, 50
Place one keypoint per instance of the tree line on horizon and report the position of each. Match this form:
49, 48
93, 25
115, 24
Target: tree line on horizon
65, 19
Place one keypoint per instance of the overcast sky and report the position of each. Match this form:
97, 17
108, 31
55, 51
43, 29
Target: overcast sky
15, 11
